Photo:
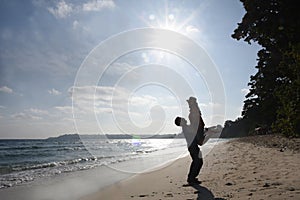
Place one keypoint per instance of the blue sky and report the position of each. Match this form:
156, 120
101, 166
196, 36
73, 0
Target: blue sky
44, 44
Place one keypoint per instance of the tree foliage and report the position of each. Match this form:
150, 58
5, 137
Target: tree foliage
273, 100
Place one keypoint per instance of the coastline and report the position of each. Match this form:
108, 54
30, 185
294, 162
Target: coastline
237, 169
75, 184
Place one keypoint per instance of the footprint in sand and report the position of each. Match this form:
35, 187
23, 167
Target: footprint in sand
169, 195
143, 195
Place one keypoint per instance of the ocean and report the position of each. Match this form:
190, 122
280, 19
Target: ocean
26, 161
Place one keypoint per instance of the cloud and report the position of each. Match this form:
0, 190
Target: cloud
64, 109
54, 92
6, 89
62, 10
37, 111
124, 72
96, 5
25, 116
143, 100
30, 114
92, 99
245, 91
2, 107
191, 29
75, 24
89, 92
120, 109
118, 69
107, 99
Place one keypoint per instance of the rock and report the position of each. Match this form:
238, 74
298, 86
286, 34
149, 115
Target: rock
276, 183
290, 189
169, 195
266, 185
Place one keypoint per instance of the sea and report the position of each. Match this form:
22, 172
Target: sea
27, 160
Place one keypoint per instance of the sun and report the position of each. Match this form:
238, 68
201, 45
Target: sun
171, 21
168, 21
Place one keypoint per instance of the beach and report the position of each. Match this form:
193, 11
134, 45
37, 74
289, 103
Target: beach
260, 167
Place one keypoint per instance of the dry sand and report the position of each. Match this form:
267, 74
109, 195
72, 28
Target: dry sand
264, 167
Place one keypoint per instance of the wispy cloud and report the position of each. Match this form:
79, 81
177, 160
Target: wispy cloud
245, 91
54, 92
75, 24
25, 116
98, 99
6, 89
96, 5
191, 29
31, 114
64, 109
90, 98
143, 100
37, 111
61, 10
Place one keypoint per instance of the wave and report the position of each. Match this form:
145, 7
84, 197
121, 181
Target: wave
21, 148
24, 167
31, 161
11, 176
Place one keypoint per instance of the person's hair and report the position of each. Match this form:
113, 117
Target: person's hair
178, 121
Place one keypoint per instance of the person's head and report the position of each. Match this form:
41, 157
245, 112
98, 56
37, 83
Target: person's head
193, 105
179, 121
192, 101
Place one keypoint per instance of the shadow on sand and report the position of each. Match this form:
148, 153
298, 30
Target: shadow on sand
205, 194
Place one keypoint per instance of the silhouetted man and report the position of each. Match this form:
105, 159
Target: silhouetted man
190, 135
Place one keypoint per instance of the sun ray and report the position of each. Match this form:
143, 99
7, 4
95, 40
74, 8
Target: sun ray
193, 14
166, 19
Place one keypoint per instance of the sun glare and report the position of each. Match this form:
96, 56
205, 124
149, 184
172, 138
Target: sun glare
171, 21
166, 22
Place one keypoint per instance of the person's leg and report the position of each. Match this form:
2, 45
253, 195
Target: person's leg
191, 175
196, 163
199, 163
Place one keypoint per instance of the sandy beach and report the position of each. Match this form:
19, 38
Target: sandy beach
261, 167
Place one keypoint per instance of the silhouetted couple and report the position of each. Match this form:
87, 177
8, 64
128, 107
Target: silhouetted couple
194, 135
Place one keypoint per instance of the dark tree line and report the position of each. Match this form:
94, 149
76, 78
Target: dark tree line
273, 101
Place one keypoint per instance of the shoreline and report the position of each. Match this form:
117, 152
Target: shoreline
255, 167
237, 169
75, 184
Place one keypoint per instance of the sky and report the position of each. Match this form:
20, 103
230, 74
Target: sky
94, 66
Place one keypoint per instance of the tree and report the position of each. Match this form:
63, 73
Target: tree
273, 100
